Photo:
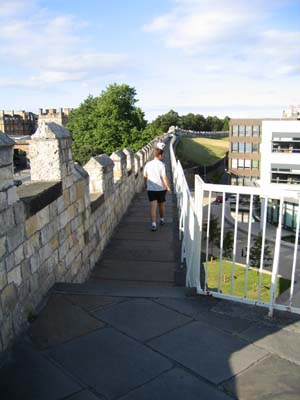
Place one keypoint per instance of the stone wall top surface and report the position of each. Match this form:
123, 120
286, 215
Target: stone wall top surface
5, 140
51, 130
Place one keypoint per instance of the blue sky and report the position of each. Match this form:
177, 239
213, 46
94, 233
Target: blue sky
225, 57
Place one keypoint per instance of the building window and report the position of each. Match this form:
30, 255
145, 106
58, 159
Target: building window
240, 180
234, 147
241, 130
255, 164
241, 163
248, 130
241, 147
235, 130
255, 130
247, 147
254, 147
234, 163
247, 163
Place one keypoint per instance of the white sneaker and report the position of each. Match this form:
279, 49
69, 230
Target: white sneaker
153, 227
162, 221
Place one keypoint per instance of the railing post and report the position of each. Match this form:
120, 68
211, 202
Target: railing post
276, 260
199, 194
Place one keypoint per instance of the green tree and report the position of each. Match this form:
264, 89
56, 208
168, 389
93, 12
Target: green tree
106, 123
214, 233
228, 244
255, 253
164, 121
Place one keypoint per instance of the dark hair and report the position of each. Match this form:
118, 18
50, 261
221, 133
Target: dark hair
158, 152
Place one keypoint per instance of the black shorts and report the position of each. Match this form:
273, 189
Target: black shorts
159, 195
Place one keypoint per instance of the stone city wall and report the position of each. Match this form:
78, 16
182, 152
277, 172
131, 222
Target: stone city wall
212, 135
54, 228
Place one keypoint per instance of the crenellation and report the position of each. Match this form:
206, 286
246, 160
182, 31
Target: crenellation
59, 240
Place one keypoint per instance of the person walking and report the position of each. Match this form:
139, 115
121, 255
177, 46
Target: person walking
157, 184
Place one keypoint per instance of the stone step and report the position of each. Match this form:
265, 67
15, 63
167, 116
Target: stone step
141, 250
114, 290
130, 231
135, 270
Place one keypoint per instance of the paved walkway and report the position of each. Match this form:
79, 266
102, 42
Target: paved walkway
130, 334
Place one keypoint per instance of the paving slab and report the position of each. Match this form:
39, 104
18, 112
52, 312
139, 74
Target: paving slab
140, 250
283, 342
189, 306
271, 378
60, 321
239, 310
176, 384
199, 309
28, 375
86, 395
212, 354
109, 362
91, 303
142, 319
135, 270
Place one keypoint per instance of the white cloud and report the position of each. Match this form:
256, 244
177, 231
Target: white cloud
51, 48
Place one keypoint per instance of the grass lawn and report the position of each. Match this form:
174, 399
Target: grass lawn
239, 281
201, 151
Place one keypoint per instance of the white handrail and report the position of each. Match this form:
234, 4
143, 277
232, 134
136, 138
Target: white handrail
191, 212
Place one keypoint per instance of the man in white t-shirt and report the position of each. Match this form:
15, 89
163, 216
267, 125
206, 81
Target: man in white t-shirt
157, 184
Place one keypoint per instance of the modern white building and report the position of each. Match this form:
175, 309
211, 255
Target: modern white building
280, 165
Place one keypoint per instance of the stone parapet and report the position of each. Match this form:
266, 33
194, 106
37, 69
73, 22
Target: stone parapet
58, 226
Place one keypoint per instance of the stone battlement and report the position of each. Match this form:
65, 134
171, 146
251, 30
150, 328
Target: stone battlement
60, 116
55, 228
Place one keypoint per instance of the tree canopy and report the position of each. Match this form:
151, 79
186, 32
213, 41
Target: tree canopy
106, 123
112, 121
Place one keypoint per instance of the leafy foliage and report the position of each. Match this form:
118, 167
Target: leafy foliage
107, 123
227, 244
255, 253
194, 122
214, 233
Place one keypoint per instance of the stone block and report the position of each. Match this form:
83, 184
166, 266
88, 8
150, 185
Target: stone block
14, 276
53, 210
63, 249
32, 245
34, 263
15, 237
72, 191
6, 173
120, 165
81, 188
43, 217
6, 154
19, 254
45, 252
2, 246
12, 196
19, 212
7, 220
129, 159
60, 205
3, 201
64, 233
66, 197
3, 275
9, 298
48, 231
25, 269
54, 243
31, 226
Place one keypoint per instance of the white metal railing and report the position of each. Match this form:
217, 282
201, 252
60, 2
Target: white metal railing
196, 216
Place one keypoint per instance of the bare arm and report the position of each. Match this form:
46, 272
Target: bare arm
167, 183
